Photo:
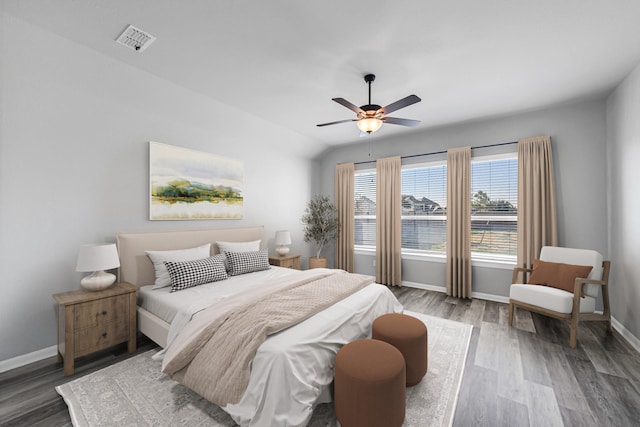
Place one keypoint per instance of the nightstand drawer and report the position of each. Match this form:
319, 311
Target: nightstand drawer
88, 340
290, 263
287, 261
92, 321
99, 312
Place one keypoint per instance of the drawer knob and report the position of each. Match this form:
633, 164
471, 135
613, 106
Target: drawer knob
104, 312
104, 335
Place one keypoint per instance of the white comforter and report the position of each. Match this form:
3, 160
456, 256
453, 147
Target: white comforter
292, 369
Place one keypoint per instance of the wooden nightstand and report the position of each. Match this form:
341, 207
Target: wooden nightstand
287, 261
92, 321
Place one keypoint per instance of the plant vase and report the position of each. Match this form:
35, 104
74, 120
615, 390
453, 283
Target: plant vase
317, 262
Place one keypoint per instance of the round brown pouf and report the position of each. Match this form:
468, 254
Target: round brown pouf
369, 388
409, 335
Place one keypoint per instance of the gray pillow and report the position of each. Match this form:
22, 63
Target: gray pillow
225, 247
247, 262
187, 274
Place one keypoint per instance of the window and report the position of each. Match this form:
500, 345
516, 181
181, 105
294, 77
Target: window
494, 197
424, 200
364, 207
424, 207
494, 200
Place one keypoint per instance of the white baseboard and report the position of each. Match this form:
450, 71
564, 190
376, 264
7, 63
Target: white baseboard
25, 359
423, 286
631, 339
490, 297
478, 295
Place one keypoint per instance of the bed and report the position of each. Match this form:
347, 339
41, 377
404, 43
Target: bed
293, 369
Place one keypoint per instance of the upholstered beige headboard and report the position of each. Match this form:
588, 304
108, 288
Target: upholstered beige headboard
136, 267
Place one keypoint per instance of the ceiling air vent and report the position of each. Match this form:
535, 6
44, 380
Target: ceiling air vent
136, 39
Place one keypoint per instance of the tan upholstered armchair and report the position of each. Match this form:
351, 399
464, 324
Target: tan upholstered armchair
580, 304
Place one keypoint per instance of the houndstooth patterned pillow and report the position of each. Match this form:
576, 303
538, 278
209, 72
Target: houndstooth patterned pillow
188, 274
247, 262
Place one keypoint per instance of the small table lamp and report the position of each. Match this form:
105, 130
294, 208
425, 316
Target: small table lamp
283, 238
97, 258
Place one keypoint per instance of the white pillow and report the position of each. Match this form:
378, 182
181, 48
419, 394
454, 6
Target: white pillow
239, 246
159, 257
224, 247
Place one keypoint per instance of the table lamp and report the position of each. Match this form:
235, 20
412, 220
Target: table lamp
97, 258
283, 238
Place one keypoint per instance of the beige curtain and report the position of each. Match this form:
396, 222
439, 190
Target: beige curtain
388, 221
537, 225
459, 222
344, 204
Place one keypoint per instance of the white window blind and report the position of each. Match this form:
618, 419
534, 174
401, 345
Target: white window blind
494, 196
364, 205
494, 199
424, 207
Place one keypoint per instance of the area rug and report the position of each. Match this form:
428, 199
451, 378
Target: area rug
135, 393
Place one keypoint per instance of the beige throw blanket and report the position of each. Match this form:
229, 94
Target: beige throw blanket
212, 355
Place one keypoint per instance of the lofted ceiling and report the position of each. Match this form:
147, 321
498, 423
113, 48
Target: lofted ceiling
283, 61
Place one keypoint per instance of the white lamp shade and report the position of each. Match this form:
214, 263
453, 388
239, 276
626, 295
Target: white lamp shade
369, 124
97, 257
283, 237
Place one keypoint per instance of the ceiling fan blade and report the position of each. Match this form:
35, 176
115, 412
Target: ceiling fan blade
404, 102
402, 122
339, 121
349, 105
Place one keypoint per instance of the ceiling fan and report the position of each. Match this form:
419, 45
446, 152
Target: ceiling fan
371, 116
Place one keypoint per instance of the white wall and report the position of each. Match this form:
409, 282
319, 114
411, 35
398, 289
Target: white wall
623, 151
578, 133
74, 167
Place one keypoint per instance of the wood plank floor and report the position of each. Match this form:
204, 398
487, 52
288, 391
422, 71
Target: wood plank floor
528, 375
522, 376
27, 394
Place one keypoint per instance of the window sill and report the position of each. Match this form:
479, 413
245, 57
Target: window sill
503, 263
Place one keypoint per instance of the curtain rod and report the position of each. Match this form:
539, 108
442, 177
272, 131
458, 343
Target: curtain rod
441, 152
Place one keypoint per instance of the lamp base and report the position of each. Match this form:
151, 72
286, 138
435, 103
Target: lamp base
97, 281
282, 250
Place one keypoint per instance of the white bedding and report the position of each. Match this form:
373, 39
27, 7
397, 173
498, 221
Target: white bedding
165, 304
292, 370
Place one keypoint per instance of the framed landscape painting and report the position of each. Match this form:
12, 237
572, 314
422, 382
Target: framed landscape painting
189, 184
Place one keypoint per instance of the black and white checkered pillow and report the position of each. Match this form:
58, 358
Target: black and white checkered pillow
247, 262
187, 274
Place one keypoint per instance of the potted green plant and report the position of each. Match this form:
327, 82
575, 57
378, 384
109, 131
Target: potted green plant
321, 227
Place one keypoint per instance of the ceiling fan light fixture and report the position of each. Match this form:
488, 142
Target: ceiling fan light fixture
371, 116
369, 124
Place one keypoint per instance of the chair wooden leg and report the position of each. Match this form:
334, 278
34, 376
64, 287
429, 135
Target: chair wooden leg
511, 309
573, 338
609, 329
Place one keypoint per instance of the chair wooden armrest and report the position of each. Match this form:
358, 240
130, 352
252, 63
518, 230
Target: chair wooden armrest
518, 270
577, 289
581, 281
